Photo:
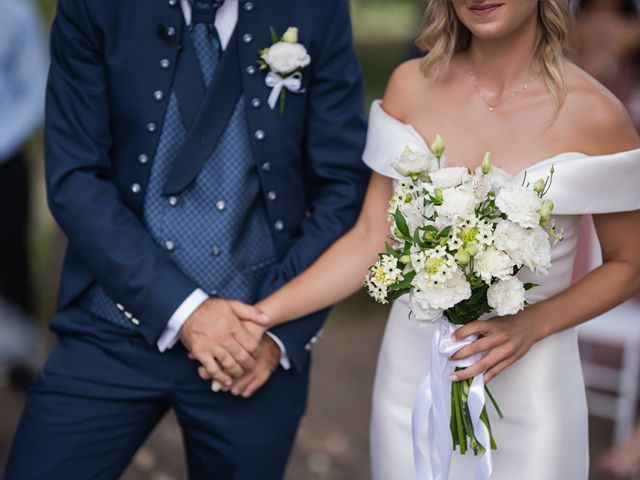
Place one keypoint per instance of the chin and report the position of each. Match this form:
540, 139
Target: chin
495, 19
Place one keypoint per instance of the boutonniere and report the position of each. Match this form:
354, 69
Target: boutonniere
285, 60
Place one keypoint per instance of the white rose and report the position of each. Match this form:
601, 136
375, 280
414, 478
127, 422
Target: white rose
507, 297
415, 163
422, 310
510, 238
520, 204
285, 58
433, 298
536, 252
456, 202
492, 263
291, 35
449, 177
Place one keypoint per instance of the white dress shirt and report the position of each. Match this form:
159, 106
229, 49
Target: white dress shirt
226, 20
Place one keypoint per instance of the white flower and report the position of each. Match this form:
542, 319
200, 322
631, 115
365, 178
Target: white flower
525, 247
507, 297
291, 35
449, 177
492, 263
456, 202
428, 301
413, 213
421, 309
496, 178
381, 276
285, 58
412, 163
510, 238
434, 266
455, 242
520, 204
536, 253
480, 187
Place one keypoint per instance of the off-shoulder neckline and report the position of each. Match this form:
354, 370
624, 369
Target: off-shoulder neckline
412, 129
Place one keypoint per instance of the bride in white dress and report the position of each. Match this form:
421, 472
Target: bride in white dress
496, 79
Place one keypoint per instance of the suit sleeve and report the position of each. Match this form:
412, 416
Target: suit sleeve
336, 134
111, 240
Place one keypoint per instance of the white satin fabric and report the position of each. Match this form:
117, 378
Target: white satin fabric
544, 432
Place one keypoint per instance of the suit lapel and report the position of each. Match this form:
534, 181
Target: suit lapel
210, 121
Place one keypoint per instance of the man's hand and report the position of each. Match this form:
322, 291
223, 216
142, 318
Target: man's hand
267, 360
217, 337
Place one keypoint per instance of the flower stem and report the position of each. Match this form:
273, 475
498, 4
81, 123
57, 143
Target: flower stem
458, 413
493, 400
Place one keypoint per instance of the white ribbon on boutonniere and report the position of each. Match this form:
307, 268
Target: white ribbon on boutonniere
277, 83
285, 60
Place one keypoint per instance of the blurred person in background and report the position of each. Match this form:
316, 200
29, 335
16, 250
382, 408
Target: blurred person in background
607, 44
23, 72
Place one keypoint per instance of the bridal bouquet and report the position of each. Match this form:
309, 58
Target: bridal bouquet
459, 238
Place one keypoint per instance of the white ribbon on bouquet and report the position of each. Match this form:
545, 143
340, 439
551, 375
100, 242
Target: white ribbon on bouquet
432, 408
293, 83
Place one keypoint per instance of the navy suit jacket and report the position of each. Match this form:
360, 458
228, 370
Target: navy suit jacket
108, 61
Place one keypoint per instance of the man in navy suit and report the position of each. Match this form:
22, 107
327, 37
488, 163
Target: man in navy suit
185, 196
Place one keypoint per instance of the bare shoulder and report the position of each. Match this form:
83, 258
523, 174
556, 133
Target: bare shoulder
596, 116
404, 84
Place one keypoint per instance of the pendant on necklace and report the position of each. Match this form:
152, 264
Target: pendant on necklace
491, 109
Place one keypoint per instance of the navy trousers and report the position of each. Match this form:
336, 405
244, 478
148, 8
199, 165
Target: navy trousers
104, 389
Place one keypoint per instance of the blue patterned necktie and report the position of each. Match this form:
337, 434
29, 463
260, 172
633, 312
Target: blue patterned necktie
205, 36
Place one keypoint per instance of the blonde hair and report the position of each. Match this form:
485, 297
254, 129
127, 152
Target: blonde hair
444, 35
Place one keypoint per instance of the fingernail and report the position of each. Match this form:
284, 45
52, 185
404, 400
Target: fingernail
453, 378
216, 387
228, 383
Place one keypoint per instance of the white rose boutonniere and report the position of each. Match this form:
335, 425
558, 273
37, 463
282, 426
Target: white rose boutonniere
285, 60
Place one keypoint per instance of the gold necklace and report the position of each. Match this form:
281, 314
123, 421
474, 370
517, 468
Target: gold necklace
514, 93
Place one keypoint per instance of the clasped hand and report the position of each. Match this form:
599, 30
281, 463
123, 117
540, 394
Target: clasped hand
228, 339
501, 340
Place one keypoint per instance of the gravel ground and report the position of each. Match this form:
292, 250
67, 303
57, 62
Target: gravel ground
333, 440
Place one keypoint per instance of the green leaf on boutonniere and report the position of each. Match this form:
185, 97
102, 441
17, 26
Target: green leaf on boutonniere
274, 35
529, 286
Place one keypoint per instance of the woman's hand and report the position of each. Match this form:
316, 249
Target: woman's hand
505, 339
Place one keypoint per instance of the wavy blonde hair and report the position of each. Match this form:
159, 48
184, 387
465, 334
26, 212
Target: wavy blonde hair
443, 35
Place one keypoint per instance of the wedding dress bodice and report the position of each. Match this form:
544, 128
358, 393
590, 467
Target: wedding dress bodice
544, 433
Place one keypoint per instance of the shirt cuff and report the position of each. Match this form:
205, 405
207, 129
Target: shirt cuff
285, 362
170, 335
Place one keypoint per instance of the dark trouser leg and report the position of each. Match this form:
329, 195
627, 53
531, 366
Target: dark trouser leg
14, 215
229, 438
92, 407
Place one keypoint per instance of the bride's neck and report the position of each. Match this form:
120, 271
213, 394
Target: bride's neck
502, 63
